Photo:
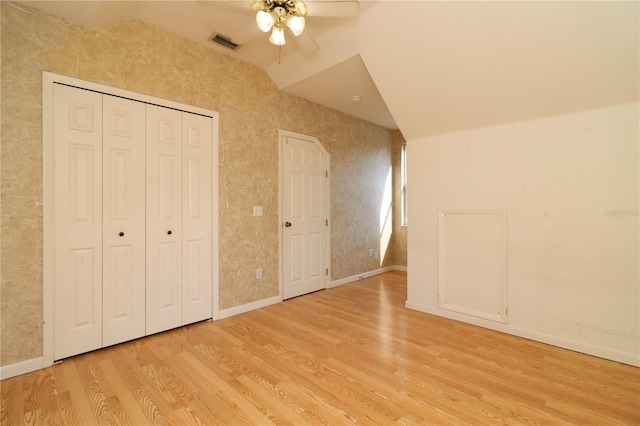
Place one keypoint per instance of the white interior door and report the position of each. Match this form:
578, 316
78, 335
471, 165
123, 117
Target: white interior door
123, 275
164, 219
77, 116
304, 217
197, 210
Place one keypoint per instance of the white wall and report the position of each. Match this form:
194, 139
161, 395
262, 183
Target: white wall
570, 186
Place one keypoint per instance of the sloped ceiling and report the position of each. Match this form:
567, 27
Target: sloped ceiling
449, 66
330, 75
427, 67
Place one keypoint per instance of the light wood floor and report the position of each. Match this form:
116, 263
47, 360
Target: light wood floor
347, 355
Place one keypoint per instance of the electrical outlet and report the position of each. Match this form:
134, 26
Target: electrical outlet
375, 254
257, 210
259, 273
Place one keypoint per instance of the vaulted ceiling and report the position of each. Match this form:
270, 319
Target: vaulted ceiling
450, 66
427, 67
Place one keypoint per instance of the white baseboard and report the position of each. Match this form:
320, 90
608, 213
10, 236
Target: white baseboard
22, 367
599, 351
236, 310
357, 277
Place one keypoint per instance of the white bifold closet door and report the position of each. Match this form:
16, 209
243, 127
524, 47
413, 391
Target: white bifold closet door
197, 218
164, 219
123, 215
99, 210
78, 221
133, 219
179, 228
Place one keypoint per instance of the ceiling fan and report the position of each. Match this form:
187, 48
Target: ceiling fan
276, 16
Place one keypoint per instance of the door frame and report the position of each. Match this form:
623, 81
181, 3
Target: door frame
48, 196
282, 135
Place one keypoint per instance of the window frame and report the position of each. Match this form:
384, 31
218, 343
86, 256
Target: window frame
403, 185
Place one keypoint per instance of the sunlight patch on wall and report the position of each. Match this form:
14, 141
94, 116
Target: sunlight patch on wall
386, 219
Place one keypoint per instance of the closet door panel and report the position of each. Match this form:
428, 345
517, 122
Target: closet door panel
164, 219
197, 217
78, 221
123, 276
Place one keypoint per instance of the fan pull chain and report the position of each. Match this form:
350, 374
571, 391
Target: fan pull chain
279, 54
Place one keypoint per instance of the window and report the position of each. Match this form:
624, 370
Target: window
403, 185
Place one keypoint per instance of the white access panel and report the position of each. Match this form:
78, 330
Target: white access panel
123, 274
197, 211
472, 262
77, 116
164, 219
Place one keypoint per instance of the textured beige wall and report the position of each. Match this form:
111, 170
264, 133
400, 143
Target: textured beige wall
139, 57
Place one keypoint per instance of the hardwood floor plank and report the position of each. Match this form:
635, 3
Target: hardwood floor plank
80, 409
226, 405
33, 418
66, 414
185, 416
134, 376
316, 404
259, 412
125, 388
386, 395
269, 395
12, 401
346, 355
39, 394
95, 393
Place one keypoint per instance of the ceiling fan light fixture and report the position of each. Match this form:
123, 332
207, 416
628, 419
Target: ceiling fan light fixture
277, 36
265, 20
295, 24
273, 15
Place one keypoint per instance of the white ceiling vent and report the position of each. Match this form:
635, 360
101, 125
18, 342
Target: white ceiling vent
224, 41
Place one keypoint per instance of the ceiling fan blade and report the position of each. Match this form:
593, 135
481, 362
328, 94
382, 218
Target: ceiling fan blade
244, 36
332, 9
306, 43
243, 6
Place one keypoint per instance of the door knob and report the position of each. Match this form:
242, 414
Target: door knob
287, 224
121, 234
168, 232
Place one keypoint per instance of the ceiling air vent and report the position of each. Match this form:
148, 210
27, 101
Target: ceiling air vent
224, 41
